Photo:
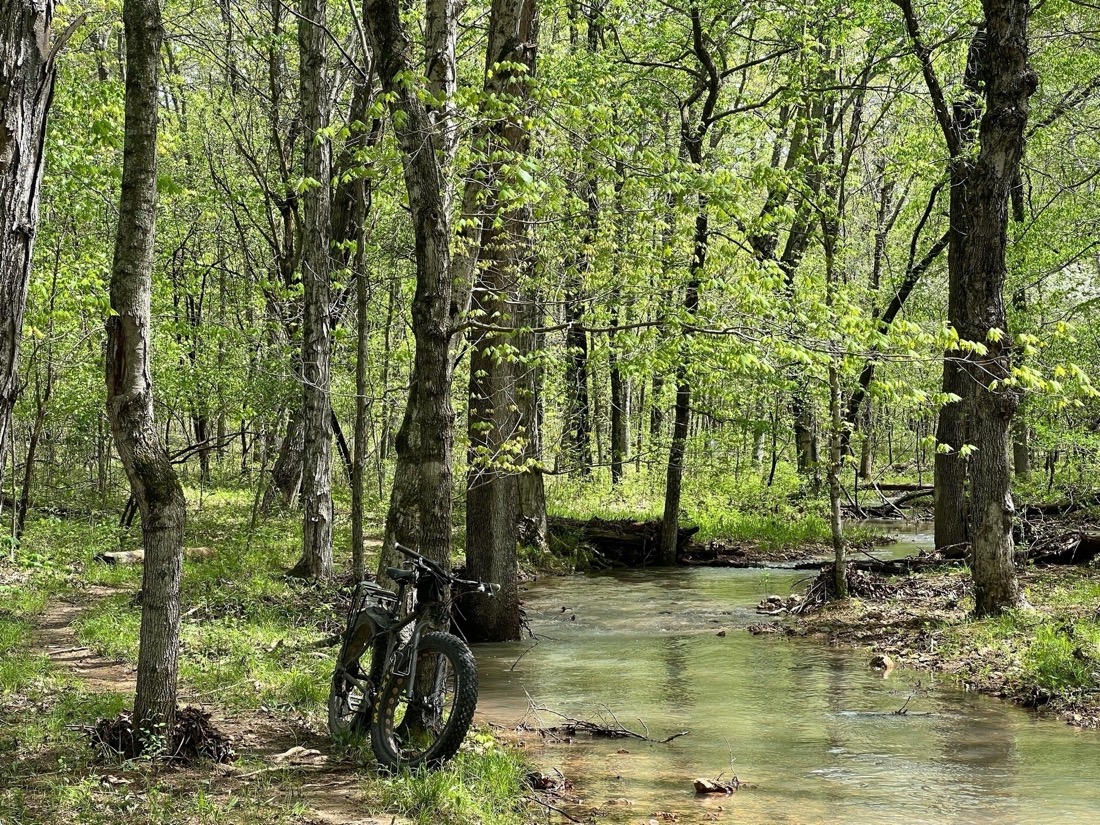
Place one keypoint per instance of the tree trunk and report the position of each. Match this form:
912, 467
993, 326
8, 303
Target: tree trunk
129, 384
286, 475
430, 419
951, 535
836, 456
492, 482
491, 485
533, 531
674, 475
620, 419
26, 90
1021, 449
578, 412
359, 437
1010, 81
316, 560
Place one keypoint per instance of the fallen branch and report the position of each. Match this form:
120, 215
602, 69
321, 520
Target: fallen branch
600, 729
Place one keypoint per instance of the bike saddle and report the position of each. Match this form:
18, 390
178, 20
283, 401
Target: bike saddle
400, 574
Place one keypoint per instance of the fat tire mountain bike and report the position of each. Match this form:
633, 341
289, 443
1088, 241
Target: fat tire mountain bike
414, 689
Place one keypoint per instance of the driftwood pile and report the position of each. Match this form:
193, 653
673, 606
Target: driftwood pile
1073, 547
619, 542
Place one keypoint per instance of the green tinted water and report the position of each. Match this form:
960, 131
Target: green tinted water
811, 727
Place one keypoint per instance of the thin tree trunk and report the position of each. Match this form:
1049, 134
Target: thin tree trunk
359, 437
674, 476
286, 476
129, 384
316, 560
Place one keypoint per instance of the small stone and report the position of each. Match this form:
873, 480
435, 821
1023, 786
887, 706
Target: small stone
882, 662
720, 633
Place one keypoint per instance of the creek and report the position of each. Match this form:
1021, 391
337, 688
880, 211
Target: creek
812, 728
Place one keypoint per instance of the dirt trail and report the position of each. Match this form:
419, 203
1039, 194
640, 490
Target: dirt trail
55, 637
332, 790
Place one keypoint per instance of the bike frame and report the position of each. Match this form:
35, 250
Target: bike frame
395, 648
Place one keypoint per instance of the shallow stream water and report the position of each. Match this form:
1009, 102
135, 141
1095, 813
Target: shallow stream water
812, 728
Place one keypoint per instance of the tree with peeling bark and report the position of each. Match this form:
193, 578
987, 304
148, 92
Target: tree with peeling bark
153, 480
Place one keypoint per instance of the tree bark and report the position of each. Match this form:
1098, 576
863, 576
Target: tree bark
578, 413
492, 483
692, 135
27, 75
359, 437
1009, 83
429, 422
316, 560
129, 383
286, 475
951, 534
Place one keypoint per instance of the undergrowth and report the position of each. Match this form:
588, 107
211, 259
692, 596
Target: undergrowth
248, 635
783, 515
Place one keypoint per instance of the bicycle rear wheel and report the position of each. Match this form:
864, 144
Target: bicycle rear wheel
351, 691
428, 730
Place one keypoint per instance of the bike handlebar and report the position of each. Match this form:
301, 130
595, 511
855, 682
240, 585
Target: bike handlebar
487, 588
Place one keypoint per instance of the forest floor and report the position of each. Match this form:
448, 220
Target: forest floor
250, 657
1045, 657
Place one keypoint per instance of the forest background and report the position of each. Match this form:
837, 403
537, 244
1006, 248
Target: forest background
691, 262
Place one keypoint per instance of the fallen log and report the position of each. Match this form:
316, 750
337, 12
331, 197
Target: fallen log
889, 507
1074, 547
619, 542
138, 556
886, 567
897, 488
1058, 508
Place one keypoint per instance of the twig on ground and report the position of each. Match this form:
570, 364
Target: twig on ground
572, 726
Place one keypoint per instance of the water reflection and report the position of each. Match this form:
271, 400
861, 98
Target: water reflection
812, 727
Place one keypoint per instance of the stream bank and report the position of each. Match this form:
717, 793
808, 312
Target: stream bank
1045, 658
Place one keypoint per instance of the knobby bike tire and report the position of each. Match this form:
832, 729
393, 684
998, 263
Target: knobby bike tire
349, 707
446, 662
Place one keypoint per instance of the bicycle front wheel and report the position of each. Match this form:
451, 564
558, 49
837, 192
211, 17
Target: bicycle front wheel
428, 729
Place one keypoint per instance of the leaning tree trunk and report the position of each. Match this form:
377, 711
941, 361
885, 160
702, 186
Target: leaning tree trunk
674, 475
286, 475
153, 480
1010, 82
26, 89
316, 560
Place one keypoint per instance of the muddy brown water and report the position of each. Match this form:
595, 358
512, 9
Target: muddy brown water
811, 727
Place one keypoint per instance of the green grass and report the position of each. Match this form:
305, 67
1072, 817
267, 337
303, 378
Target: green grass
781, 516
246, 635
480, 785
1056, 647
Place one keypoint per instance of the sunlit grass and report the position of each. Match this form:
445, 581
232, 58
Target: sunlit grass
479, 787
747, 509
